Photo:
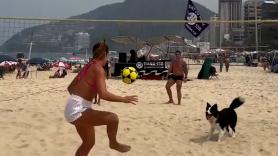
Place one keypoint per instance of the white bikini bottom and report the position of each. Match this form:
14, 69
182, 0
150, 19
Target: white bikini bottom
75, 106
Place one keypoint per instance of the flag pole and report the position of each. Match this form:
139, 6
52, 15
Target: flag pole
256, 25
220, 37
30, 50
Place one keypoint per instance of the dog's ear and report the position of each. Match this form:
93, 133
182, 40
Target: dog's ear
208, 105
214, 108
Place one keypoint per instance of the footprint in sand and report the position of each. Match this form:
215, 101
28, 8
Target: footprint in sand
146, 138
264, 152
20, 109
6, 110
38, 115
23, 146
16, 136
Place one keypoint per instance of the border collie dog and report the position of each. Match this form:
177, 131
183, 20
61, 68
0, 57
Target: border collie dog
224, 119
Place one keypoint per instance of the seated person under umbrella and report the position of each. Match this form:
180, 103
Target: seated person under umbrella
61, 72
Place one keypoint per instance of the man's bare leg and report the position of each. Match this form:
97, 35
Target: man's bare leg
168, 86
179, 85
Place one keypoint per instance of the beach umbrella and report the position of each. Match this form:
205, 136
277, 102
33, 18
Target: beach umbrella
61, 64
74, 59
38, 60
6, 58
13, 63
63, 59
5, 63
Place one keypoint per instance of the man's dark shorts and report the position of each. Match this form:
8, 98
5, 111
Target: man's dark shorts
175, 77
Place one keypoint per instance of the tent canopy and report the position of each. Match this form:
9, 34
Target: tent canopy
6, 58
37, 60
166, 38
128, 40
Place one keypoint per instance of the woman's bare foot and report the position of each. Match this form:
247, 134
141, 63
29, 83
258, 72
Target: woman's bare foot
169, 102
120, 147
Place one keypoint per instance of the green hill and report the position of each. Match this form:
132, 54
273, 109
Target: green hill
59, 36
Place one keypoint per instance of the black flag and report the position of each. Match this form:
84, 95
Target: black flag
193, 15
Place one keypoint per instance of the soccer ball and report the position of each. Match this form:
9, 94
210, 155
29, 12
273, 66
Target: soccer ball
129, 75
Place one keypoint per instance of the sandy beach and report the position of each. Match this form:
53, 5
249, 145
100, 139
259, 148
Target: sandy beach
32, 120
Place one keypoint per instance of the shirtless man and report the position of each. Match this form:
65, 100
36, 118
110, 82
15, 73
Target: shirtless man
176, 74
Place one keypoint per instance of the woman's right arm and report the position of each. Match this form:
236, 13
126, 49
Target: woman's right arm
170, 69
104, 94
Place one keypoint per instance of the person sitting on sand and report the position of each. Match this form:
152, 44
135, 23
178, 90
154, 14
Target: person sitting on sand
176, 74
60, 73
84, 87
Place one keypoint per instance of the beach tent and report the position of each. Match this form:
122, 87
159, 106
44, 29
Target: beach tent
166, 38
76, 60
63, 59
6, 58
205, 70
8, 63
129, 40
37, 60
61, 64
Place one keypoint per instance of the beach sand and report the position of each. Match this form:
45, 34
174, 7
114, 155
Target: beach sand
32, 120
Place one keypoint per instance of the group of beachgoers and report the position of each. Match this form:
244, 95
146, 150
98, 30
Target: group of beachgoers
223, 59
22, 69
270, 64
269, 61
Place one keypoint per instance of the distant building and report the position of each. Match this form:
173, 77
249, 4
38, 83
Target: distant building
266, 10
214, 33
203, 46
81, 40
231, 33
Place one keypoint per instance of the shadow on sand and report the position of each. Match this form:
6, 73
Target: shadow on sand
203, 139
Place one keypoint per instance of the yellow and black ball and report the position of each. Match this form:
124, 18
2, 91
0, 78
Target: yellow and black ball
129, 75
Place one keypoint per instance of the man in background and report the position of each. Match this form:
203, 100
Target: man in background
177, 73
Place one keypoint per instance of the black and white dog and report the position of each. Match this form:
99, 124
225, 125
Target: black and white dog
224, 119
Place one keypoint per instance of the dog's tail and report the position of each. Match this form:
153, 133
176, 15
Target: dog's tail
237, 102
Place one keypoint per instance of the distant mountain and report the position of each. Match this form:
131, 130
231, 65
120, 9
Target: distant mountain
60, 36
